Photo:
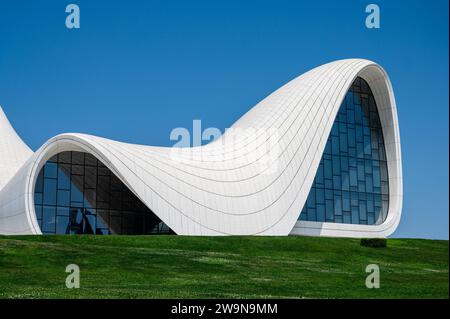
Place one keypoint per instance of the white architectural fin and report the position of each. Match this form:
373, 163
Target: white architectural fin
13, 151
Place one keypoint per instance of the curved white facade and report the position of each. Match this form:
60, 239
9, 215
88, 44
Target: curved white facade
252, 182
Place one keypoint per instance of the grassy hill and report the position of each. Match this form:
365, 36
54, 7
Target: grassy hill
225, 267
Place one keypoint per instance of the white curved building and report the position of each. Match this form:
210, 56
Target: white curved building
319, 156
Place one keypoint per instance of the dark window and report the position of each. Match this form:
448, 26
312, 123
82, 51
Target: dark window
351, 185
76, 194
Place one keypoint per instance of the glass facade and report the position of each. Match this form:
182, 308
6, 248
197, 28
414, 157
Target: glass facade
76, 194
351, 184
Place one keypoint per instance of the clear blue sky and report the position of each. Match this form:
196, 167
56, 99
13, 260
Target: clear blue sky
137, 69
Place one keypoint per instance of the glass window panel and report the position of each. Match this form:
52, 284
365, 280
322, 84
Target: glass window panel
76, 195
362, 210
90, 178
329, 210
38, 211
320, 212
367, 146
311, 201
359, 134
53, 159
64, 176
90, 198
371, 219
335, 130
355, 215
384, 187
385, 209
328, 169
63, 198
62, 211
343, 143
368, 166
38, 198
77, 158
328, 147
51, 170
311, 215
319, 176
49, 194
344, 164
336, 165
320, 196
65, 157
383, 171
369, 184
102, 218
376, 177
116, 222
346, 201
351, 138
361, 186
329, 183
350, 116
335, 145
361, 170
90, 160
48, 219
358, 115
353, 177
116, 184
346, 181
338, 205
103, 171
62, 223
337, 182
39, 186
359, 150
328, 194
77, 170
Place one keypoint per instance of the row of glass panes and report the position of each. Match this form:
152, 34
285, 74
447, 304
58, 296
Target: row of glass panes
356, 216
353, 119
54, 219
76, 158
334, 164
91, 198
327, 205
359, 115
89, 173
59, 190
320, 195
368, 147
353, 180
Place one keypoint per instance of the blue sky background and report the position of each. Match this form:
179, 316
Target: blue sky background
137, 69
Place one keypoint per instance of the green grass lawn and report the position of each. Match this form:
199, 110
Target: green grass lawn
220, 267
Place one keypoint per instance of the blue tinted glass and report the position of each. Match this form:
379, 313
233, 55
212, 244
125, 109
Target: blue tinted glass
76, 194
63, 176
51, 170
48, 219
354, 160
49, 191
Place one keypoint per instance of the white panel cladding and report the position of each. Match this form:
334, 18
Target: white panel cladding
13, 151
249, 183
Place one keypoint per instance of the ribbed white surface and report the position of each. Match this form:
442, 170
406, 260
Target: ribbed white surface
253, 183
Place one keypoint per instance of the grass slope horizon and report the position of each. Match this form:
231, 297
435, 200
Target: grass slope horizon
220, 267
